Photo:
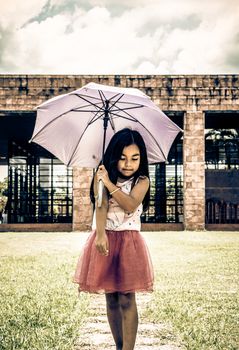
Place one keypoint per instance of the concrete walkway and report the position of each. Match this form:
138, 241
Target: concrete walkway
95, 333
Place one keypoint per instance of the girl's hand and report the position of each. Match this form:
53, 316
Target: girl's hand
102, 174
102, 244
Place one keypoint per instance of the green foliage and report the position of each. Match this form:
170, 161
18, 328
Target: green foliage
3, 193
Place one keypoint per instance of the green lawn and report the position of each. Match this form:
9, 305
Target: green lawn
196, 289
197, 285
39, 308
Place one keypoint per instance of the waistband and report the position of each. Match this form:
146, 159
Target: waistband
121, 231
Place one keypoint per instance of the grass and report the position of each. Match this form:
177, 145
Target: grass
197, 284
196, 289
39, 308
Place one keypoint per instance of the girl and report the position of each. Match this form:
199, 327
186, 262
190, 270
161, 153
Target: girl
115, 259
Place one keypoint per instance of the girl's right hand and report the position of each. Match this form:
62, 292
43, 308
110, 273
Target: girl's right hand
102, 244
102, 174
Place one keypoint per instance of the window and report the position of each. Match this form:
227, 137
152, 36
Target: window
166, 195
39, 186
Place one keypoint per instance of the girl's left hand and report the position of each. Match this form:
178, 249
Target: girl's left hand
102, 174
102, 244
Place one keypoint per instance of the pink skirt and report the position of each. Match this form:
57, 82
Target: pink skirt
127, 268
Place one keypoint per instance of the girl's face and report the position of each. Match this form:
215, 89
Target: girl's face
129, 160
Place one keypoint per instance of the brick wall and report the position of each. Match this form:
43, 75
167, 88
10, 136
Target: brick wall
192, 94
82, 209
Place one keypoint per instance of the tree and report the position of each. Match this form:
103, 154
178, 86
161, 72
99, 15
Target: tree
3, 193
224, 142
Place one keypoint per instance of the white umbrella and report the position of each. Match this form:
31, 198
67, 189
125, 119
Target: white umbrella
70, 126
73, 126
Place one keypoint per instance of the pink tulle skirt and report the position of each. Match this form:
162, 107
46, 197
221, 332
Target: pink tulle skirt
126, 269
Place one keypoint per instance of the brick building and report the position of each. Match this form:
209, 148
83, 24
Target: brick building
198, 187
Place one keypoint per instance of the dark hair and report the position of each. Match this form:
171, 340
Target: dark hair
119, 141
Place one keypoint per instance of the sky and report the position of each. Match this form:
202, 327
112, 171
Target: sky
119, 37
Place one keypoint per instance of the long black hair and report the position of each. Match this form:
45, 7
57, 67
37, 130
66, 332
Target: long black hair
119, 141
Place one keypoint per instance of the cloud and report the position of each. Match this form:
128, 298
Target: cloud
13, 13
119, 37
56, 7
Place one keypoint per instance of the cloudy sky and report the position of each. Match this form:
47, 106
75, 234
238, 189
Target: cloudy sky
119, 36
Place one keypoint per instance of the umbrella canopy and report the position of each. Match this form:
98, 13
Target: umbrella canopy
73, 126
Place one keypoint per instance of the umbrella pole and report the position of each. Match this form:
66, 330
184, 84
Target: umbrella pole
105, 125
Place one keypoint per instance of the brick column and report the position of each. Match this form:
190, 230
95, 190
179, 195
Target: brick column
194, 171
82, 209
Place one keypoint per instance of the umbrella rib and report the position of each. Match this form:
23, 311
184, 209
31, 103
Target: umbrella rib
131, 104
79, 109
134, 105
100, 109
116, 101
59, 116
99, 103
97, 107
86, 106
131, 118
118, 109
127, 108
111, 119
91, 103
154, 140
124, 111
90, 122
73, 153
85, 110
86, 96
94, 120
110, 100
101, 97
137, 121
50, 122
105, 99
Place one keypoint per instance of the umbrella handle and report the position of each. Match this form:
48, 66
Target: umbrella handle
100, 193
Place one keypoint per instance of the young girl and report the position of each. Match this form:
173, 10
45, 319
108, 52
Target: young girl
115, 259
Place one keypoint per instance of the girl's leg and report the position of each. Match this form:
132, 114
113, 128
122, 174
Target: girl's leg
115, 318
128, 306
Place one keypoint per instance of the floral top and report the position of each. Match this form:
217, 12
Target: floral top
117, 218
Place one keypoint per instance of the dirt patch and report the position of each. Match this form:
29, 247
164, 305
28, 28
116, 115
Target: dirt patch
95, 334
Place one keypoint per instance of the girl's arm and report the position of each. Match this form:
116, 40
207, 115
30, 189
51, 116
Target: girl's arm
101, 240
128, 202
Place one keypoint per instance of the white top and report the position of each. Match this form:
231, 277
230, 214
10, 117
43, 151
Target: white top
117, 218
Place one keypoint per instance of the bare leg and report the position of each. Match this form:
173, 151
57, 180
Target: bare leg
129, 319
115, 318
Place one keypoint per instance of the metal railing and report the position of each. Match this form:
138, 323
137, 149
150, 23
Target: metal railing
221, 212
39, 188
